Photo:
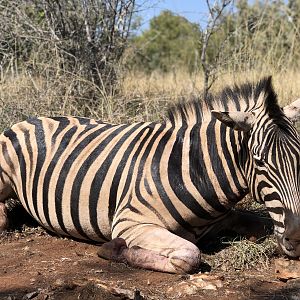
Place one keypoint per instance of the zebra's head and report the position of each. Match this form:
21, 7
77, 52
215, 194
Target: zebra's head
272, 161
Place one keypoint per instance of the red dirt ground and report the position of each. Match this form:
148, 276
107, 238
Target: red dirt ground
35, 265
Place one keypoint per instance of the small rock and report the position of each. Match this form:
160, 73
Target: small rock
30, 295
294, 284
120, 292
207, 279
286, 269
65, 259
32, 280
59, 282
182, 289
195, 283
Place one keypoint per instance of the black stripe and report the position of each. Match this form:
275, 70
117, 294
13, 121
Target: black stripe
155, 171
40, 160
217, 164
9, 178
278, 224
140, 198
61, 178
120, 205
229, 148
7, 157
75, 193
10, 164
65, 170
126, 220
176, 180
275, 210
11, 135
147, 187
271, 196
99, 178
29, 150
150, 129
83, 121
199, 174
119, 171
63, 123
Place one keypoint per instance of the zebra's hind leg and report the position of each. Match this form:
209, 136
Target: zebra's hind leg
159, 250
3, 217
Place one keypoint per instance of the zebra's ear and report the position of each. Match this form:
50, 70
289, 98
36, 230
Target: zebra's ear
292, 111
238, 120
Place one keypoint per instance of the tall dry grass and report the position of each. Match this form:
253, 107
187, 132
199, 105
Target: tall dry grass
140, 97
174, 85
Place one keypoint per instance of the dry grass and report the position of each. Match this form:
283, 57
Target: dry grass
174, 85
242, 254
140, 97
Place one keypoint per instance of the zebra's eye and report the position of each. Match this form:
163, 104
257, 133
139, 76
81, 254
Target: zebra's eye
259, 161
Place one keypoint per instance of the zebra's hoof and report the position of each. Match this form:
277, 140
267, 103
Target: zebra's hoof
112, 250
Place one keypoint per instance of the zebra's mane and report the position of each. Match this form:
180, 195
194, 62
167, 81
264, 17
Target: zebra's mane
245, 97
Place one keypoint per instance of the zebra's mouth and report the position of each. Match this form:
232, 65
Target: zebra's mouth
290, 247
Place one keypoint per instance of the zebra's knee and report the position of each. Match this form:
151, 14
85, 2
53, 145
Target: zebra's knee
186, 260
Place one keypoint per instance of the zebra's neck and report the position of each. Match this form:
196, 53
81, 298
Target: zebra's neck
215, 162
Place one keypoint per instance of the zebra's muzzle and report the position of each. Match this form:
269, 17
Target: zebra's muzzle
290, 247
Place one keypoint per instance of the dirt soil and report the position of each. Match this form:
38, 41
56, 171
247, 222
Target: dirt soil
36, 265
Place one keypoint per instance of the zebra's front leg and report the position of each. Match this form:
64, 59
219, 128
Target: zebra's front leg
154, 248
3, 217
244, 223
248, 224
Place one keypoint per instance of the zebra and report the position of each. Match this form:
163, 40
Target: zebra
149, 191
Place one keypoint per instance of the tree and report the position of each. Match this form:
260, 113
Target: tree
266, 36
215, 22
170, 42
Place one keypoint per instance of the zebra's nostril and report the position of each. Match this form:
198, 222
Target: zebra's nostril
287, 244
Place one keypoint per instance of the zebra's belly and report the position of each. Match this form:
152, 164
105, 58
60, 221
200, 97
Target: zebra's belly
72, 232
77, 219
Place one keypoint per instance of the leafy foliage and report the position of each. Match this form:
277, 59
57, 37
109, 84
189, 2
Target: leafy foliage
171, 41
